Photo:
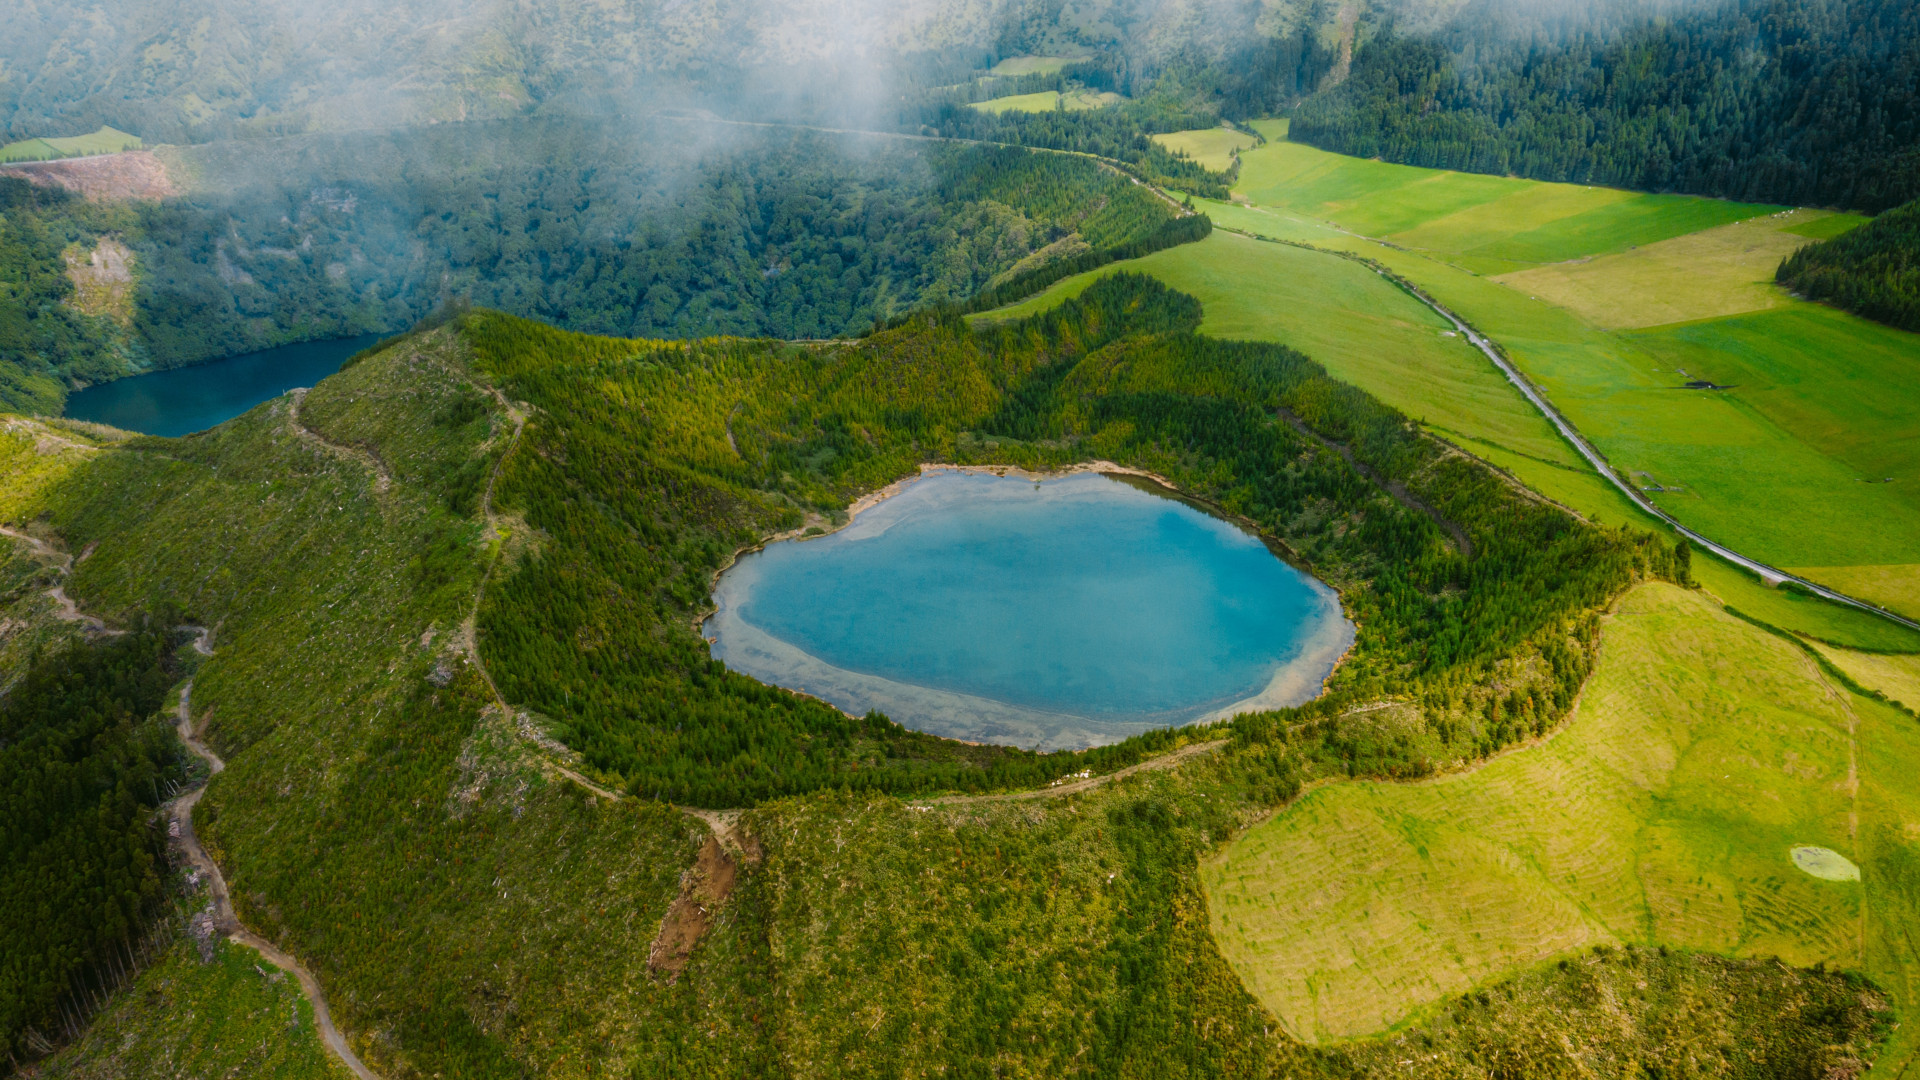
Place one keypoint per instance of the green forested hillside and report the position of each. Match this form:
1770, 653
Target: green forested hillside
669, 229
45, 341
671, 457
1873, 270
1759, 100
83, 762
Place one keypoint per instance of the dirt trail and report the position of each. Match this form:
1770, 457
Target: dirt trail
381, 480
1394, 488
1164, 761
64, 608
180, 817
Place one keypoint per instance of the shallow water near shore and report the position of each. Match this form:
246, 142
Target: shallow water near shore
184, 400
1057, 613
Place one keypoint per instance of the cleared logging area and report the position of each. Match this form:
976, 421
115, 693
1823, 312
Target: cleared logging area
1704, 750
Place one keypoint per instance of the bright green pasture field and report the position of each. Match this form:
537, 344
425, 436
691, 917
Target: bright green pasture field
1702, 751
1487, 224
104, 141
1771, 468
1360, 326
1211, 147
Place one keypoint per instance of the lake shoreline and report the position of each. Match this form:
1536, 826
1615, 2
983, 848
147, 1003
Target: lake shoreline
1299, 680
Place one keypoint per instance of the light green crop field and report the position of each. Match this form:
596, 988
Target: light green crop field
104, 141
1211, 147
1727, 270
1486, 224
1894, 587
1030, 65
1049, 100
1702, 752
1897, 676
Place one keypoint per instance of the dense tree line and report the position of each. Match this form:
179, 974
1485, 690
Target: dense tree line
1873, 270
587, 224
83, 763
1762, 100
663, 459
44, 340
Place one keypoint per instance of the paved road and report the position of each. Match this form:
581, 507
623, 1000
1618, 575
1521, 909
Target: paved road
1770, 574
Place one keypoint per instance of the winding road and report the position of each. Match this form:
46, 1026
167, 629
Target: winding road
1770, 574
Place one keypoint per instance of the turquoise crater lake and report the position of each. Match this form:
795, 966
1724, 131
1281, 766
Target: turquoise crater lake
1057, 613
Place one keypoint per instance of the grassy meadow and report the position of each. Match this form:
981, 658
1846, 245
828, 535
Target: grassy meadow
1049, 100
1211, 147
1702, 751
227, 1014
1897, 675
104, 141
1726, 270
1485, 224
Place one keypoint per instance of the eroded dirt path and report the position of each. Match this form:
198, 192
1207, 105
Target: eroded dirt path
1164, 761
64, 608
180, 830
382, 481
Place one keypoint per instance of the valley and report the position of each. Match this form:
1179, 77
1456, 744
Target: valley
824, 540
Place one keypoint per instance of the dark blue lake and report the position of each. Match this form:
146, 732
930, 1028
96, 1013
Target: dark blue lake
1061, 613
190, 399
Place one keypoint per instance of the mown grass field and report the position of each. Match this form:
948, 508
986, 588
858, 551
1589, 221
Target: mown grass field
1897, 587
1893, 674
104, 141
1211, 147
1049, 100
1486, 224
1703, 749
1726, 270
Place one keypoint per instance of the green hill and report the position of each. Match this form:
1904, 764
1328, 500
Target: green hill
472, 910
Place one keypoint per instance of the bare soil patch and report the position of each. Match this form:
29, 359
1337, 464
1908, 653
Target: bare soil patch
136, 174
703, 888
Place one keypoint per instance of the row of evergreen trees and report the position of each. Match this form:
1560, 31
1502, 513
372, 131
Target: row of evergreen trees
1873, 270
84, 760
1763, 100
